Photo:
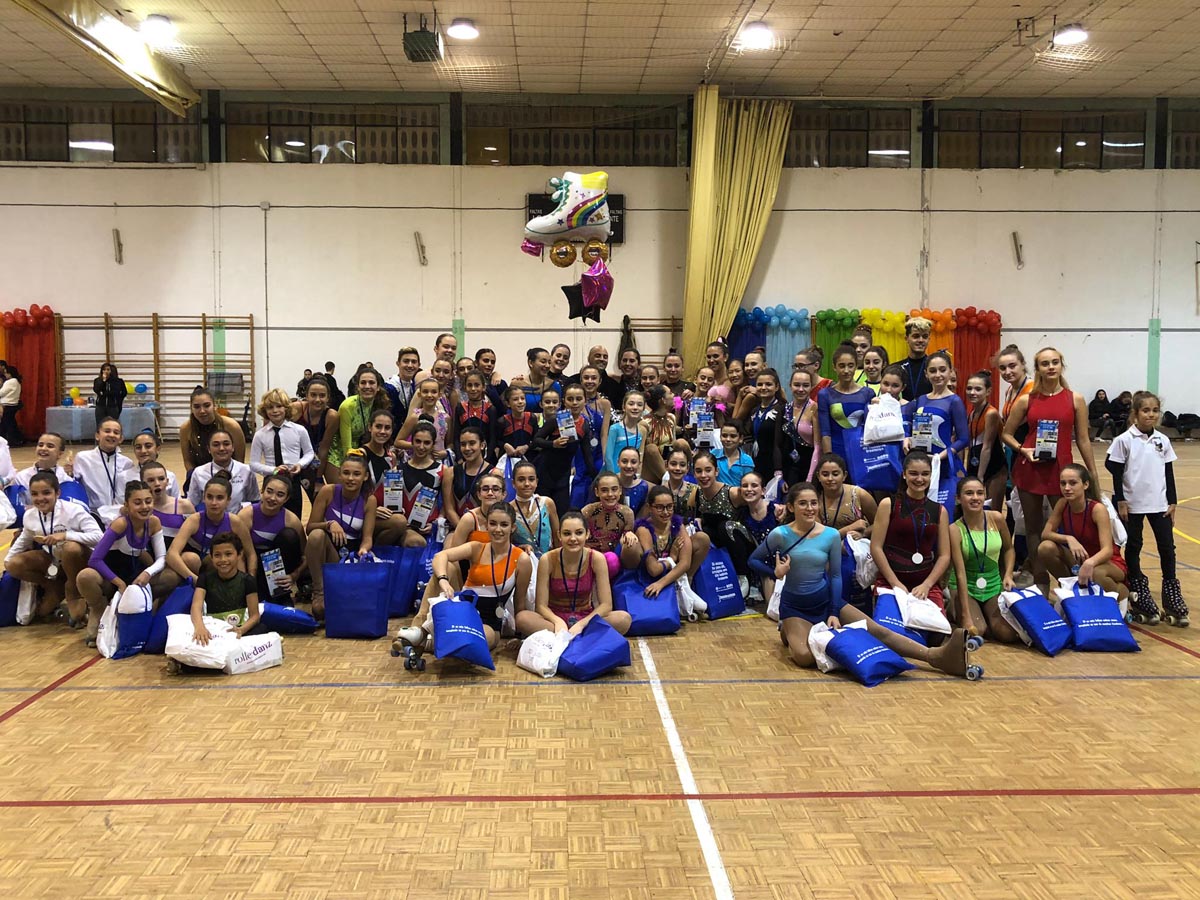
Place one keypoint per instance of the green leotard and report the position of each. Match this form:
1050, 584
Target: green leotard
973, 555
353, 420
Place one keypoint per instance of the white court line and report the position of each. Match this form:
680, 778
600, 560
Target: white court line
708, 843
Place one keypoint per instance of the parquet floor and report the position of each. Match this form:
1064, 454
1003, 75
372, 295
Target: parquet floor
340, 774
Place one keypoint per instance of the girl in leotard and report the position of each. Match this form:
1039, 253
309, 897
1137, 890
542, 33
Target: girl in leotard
428, 407
469, 467
910, 538
847, 508
983, 557
633, 487
273, 526
558, 452
944, 413
715, 504
660, 432
705, 381
321, 423
985, 456
599, 409
422, 478
758, 517
495, 387
190, 550
145, 450
806, 554
1054, 415
665, 544
799, 435
196, 432
378, 449
682, 488
842, 406
537, 517
496, 572
489, 490
342, 519
610, 524
536, 381
517, 426
766, 425
630, 431
1077, 540
442, 371
477, 411
572, 586
132, 551
354, 415
170, 511
589, 450
874, 361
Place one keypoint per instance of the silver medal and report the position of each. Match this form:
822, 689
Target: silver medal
918, 558
52, 570
981, 582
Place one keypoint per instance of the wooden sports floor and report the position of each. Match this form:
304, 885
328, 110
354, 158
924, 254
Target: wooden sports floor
711, 768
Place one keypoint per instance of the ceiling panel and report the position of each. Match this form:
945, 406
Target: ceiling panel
898, 48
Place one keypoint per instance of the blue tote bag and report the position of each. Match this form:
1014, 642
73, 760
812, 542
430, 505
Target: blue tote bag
284, 619
356, 597
658, 615
865, 657
595, 651
875, 467
178, 602
887, 614
10, 593
1045, 628
406, 566
1097, 625
458, 631
716, 582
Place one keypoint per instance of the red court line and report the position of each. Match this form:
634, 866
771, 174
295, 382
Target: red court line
29, 701
1170, 643
445, 799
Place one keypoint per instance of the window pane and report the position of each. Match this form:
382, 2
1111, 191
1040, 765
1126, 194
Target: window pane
958, 150
1185, 150
246, 114
999, 150
531, 147
1126, 121
654, 147
1000, 120
46, 142
1124, 150
181, 143
890, 119
134, 143
418, 146
375, 144
1185, 120
1040, 151
958, 120
807, 149
246, 143
1081, 150
91, 143
12, 141
1041, 120
614, 147
1082, 122
487, 146
889, 149
848, 148
289, 114
571, 147
333, 143
290, 143
848, 119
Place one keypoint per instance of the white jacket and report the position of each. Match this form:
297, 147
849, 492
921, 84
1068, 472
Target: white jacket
95, 470
67, 517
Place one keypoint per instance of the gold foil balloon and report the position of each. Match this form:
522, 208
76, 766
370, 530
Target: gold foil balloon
562, 254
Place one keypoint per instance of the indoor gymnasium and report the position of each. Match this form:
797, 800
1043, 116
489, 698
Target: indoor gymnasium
507, 449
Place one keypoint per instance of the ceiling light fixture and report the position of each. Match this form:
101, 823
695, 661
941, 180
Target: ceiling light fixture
463, 30
158, 30
294, 143
490, 149
1070, 35
1081, 143
103, 146
756, 36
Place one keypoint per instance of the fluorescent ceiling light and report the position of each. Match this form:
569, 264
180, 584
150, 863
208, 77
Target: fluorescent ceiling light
91, 145
489, 149
294, 143
1070, 35
1081, 143
158, 31
756, 36
463, 30
887, 152
1120, 144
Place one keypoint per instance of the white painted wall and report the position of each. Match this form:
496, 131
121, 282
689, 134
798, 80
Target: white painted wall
344, 282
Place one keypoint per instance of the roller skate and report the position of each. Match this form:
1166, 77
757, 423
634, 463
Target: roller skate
1142, 608
581, 216
953, 657
411, 642
1175, 611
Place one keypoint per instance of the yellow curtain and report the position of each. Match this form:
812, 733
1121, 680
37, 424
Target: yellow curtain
737, 158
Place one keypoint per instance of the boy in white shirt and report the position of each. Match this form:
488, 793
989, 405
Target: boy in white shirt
281, 446
53, 547
103, 471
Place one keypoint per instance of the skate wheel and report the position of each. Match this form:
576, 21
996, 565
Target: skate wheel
974, 673
974, 643
693, 617
408, 664
562, 254
1170, 620
395, 653
420, 665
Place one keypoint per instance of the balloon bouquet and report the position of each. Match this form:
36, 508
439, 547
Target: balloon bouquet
976, 343
887, 331
783, 331
581, 216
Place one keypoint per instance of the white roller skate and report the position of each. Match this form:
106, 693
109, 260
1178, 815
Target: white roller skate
1175, 611
412, 642
1142, 608
581, 215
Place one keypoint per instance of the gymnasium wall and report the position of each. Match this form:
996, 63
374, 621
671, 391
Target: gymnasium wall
331, 269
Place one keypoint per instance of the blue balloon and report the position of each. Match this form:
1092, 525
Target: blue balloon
67, 401
794, 325
774, 323
740, 317
760, 316
140, 389
804, 313
780, 310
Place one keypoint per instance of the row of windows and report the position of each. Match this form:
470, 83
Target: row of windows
521, 135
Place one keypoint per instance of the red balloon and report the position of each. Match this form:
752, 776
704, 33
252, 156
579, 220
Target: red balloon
982, 328
47, 311
9, 320
972, 311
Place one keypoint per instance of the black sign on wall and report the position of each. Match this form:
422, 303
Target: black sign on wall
540, 204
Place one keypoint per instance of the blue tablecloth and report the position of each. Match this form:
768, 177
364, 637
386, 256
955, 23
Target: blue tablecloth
78, 423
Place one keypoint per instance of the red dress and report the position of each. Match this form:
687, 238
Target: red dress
1085, 530
1042, 477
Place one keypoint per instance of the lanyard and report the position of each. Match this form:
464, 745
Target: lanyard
507, 563
112, 478
919, 532
837, 512
585, 554
976, 418
46, 533
362, 416
980, 558
908, 367
534, 505
337, 511
205, 537
469, 487
757, 420
406, 395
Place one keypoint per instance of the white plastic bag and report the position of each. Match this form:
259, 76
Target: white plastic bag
865, 570
1066, 588
924, 615
1119, 535
885, 422
1014, 503
8, 515
771, 491
135, 599
182, 645
691, 604
935, 476
540, 651
26, 602
819, 637
106, 634
254, 653
1005, 603
773, 603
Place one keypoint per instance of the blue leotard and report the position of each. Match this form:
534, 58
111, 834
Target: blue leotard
812, 589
